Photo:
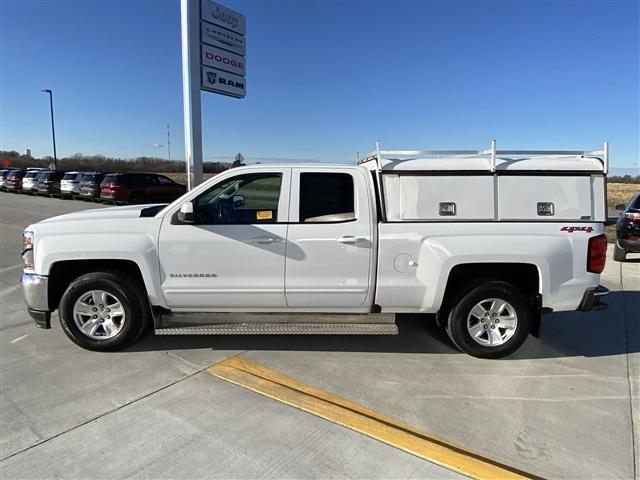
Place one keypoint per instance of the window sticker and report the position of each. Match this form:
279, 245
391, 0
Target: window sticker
264, 215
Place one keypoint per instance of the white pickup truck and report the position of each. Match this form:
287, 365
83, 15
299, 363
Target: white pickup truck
487, 240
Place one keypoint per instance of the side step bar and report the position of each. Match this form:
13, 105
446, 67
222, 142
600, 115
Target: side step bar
283, 329
245, 323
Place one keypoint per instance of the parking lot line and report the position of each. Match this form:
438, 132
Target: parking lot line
264, 381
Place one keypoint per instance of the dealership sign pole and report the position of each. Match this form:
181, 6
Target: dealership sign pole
213, 59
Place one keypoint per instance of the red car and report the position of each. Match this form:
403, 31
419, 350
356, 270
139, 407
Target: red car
139, 188
13, 181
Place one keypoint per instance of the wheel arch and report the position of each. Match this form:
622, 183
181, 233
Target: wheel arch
63, 272
524, 276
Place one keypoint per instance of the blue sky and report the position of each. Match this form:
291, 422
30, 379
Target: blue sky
326, 79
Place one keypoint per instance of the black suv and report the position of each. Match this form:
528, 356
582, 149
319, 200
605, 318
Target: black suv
49, 183
90, 185
628, 230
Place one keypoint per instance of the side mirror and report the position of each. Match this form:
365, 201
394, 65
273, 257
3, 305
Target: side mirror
238, 200
186, 215
620, 206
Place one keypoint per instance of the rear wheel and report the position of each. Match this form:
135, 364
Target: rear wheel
104, 311
619, 253
491, 320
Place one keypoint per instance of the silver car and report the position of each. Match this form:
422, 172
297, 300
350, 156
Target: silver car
70, 184
30, 180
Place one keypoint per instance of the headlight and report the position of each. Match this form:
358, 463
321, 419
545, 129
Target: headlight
27, 250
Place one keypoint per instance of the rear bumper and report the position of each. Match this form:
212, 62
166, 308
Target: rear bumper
35, 290
592, 299
89, 193
111, 196
632, 246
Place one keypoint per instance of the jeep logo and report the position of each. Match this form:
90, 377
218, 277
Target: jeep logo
223, 17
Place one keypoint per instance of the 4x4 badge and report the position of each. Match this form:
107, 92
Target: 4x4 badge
576, 229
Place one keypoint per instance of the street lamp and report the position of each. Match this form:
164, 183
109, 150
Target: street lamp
53, 128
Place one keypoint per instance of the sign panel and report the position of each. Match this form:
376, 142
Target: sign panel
222, 16
222, 38
223, 60
219, 81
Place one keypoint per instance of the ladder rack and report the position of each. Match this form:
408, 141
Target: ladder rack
378, 154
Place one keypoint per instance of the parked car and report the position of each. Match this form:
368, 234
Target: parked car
49, 183
70, 184
139, 188
3, 175
486, 247
31, 180
13, 181
628, 230
90, 185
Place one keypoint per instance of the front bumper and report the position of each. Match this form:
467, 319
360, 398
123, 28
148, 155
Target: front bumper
35, 290
591, 300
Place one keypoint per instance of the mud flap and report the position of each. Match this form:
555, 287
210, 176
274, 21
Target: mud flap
537, 315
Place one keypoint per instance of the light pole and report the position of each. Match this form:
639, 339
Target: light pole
169, 141
53, 128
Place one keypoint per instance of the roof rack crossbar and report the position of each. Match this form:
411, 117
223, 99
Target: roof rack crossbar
378, 154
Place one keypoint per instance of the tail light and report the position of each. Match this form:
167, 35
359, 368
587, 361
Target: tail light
633, 216
597, 254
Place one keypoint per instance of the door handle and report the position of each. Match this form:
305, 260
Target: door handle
347, 239
265, 240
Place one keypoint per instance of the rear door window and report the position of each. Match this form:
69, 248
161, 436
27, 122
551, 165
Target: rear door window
326, 197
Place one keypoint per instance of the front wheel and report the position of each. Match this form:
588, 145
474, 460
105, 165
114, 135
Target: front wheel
491, 320
103, 311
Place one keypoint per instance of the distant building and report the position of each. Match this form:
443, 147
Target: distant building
27, 152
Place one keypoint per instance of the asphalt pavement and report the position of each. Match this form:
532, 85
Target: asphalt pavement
566, 405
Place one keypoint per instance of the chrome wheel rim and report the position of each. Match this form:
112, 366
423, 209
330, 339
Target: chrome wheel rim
492, 322
99, 315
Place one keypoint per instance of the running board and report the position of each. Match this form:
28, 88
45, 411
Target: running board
244, 323
284, 329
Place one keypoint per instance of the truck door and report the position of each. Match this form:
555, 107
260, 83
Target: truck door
233, 256
330, 240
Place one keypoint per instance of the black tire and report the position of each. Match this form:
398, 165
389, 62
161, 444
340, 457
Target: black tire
456, 325
619, 253
136, 198
130, 294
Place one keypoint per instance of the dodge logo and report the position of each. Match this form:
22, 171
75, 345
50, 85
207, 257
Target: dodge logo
224, 60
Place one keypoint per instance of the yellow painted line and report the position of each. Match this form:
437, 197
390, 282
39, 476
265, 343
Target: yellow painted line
287, 390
